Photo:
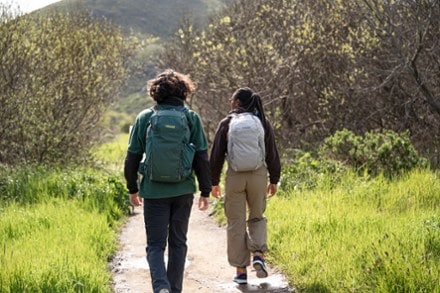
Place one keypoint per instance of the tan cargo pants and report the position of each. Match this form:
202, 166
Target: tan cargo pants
245, 192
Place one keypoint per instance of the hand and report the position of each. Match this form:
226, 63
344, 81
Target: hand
135, 200
216, 191
203, 203
271, 190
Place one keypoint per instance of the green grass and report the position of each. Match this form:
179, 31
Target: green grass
111, 155
361, 236
93, 189
58, 228
54, 247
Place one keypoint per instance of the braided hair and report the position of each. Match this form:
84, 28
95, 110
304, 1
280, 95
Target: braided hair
250, 102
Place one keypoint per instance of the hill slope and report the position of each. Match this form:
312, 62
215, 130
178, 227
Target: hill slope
143, 18
149, 17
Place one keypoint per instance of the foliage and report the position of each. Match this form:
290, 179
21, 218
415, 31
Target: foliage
305, 170
218, 211
111, 154
375, 153
133, 97
153, 22
384, 152
374, 235
321, 66
52, 99
115, 122
58, 228
55, 246
92, 189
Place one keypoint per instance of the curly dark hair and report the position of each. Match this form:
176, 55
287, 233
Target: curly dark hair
171, 84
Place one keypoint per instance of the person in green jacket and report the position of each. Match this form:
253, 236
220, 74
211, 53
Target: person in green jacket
167, 205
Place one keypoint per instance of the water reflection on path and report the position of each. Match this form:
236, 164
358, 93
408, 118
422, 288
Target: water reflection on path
275, 283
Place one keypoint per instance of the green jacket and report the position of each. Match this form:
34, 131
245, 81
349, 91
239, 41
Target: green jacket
137, 144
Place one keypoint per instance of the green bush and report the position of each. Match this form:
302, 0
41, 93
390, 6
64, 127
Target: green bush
53, 100
384, 152
306, 171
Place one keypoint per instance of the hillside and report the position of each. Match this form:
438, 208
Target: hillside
149, 17
144, 18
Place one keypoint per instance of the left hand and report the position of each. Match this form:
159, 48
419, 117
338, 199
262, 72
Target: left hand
216, 191
203, 203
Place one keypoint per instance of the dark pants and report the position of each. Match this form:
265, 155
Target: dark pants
167, 218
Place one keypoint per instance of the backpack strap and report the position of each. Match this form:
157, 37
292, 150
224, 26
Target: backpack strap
183, 109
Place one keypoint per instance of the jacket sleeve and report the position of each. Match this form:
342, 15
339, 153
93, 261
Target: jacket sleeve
201, 168
219, 150
272, 157
131, 167
201, 162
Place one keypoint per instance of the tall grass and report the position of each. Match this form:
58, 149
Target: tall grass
92, 188
58, 228
360, 236
55, 246
111, 155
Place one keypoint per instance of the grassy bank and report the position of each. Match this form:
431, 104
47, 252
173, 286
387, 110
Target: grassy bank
111, 155
58, 229
361, 236
54, 247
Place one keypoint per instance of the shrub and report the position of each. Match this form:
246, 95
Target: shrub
384, 152
306, 171
52, 100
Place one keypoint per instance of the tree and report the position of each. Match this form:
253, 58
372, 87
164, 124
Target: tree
59, 72
406, 67
322, 66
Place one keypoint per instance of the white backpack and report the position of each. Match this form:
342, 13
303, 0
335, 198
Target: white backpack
246, 151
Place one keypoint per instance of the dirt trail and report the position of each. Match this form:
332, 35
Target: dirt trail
207, 269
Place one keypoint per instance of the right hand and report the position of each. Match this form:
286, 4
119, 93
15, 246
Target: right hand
135, 200
203, 203
271, 189
216, 191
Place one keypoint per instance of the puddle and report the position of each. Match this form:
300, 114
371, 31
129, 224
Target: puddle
275, 283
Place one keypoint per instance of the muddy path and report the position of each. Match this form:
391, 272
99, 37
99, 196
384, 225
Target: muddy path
207, 269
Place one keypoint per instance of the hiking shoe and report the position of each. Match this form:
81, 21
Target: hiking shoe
164, 291
260, 266
240, 278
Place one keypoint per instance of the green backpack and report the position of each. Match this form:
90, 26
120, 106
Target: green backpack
169, 152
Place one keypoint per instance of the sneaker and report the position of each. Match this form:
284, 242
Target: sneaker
164, 291
240, 278
260, 266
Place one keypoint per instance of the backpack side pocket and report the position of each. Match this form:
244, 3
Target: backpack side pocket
189, 152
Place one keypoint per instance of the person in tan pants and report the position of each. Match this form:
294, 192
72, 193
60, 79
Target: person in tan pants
245, 191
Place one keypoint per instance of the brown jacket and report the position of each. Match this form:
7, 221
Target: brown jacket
219, 151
